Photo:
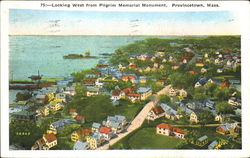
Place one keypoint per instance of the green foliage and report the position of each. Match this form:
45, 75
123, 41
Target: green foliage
205, 117
224, 107
25, 141
164, 99
199, 93
221, 94
23, 96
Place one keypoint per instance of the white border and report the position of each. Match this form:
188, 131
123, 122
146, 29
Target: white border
242, 7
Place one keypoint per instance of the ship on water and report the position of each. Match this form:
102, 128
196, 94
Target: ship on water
79, 56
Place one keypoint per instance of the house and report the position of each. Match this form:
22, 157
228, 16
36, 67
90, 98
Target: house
60, 97
55, 126
133, 97
182, 93
116, 123
142, 79
199, 64
99, 83
144, 92
132, 66
91, 91
219, 70
171, 92
130, 78
121, 67
234, 101
168, 130
175, 66
80, 119
170, 113
202, 141
50, 140
203, 70
80, 145
73, 112
80, 134
106, 132
148, 69
156, 65
164, 60
228, 128
202, 81
89, 82
155, 113
56, 106
95, 140
41, 98
44, 111
159, 54
117, 94
70, 91
96, 127
194, 117
213, 145
39, 145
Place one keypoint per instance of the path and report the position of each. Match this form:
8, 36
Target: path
138, 120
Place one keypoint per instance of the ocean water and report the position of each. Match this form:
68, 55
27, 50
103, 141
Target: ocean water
28, 54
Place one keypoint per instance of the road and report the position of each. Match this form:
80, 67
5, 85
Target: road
138, 120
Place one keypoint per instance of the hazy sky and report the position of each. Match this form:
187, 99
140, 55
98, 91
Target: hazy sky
47, 22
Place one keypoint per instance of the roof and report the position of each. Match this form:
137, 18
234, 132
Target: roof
50, 137
227, 126
93, 89
128, 77
158, 110
105, 130
202, 138
60, 123
97, 135
178, 130
96, 125
133, 95
213, 144
72, 110
129, 89
79, 117
164, 125
84, 131
143, 89
79, 145
116, 92
168, 109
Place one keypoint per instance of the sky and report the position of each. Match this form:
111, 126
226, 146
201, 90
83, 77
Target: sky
49, 22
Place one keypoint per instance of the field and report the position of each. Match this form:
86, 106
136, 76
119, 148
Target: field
146, 138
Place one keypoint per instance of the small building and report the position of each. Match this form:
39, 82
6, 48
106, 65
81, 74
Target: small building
155, 113
213, 145
95, 140
70, 91
142, 79
80, 134
202, 141
194, 117
96, 127
228, 128
80, 119
80, 145
168, 130
106, 132
50, 140
116, 123
199, 64
73, 112
144, 92
60, 97
91, 91
234, 101
130, 78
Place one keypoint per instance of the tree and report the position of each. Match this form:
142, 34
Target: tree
191, 135
23, 96
24, 133
210, 87
224, 107
164, 99
199, 93
221, 94
205, 117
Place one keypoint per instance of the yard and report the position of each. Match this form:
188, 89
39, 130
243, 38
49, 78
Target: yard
146, 138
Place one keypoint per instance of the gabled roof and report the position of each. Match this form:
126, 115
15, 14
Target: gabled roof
116, 92
50, 137
133, 95
84, 131
143, 89
178, 130
213, 144
165, 126
96, 125
79, 145
202, 138
105, 130
158, 110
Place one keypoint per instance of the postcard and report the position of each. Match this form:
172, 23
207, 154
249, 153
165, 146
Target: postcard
125, 79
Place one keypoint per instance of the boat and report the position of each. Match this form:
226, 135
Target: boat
79, 56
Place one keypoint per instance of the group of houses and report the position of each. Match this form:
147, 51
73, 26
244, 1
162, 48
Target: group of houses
99, 133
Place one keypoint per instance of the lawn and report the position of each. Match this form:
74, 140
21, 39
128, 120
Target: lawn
146, 138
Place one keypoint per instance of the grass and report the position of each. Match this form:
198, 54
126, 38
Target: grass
146, 138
